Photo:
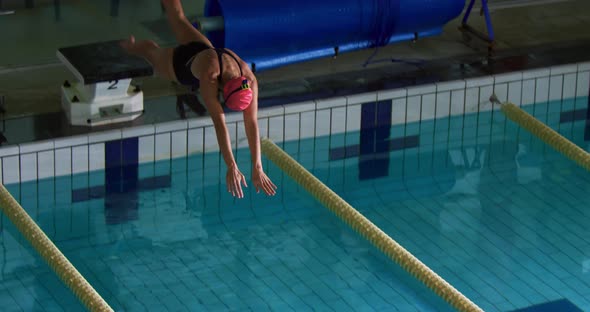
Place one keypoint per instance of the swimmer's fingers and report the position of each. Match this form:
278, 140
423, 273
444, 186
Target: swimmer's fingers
262, 181
234, 180
269, 187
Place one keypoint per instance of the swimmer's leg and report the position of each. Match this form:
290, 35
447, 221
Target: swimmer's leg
159, 58
183, 30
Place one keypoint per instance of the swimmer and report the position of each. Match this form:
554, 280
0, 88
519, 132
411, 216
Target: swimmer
196, 63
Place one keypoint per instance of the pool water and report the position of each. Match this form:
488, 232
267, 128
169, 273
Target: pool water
491, 209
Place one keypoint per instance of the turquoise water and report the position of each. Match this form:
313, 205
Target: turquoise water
491, 209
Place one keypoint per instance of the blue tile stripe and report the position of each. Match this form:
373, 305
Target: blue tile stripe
372, 164
122, 183
394, 144
383, 121
367, 133
561, 305
578, 115
375, 143
113, 165
96, 192
573, 115
130, 161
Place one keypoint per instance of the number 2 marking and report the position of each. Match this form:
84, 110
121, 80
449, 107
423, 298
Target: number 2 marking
113, 85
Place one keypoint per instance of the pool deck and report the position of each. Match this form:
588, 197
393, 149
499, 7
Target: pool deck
527, 36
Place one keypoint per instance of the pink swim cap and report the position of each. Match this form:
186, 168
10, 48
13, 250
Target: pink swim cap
237, 94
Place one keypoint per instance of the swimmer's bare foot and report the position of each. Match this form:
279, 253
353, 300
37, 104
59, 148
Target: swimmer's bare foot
138, 47
128, 44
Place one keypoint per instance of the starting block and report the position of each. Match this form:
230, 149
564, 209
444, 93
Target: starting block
103, 93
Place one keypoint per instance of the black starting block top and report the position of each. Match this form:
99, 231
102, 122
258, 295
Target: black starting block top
103, 62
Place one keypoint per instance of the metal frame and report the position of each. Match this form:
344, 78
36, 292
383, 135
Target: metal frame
466, 29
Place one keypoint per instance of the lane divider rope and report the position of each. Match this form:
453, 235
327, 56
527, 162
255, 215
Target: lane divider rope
51, 254
544, 132
366, 228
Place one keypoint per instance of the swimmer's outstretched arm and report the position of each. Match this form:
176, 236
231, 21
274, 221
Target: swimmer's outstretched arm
259, 178
234, 177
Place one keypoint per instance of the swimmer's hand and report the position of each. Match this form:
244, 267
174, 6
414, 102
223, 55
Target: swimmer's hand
261, 181
234, 179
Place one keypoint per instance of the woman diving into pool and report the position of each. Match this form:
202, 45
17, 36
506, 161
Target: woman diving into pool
196, 62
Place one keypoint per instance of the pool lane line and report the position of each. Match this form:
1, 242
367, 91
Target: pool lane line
544, 133
51, 254
366, 228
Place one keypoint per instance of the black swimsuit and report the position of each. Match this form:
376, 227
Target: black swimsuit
185, 54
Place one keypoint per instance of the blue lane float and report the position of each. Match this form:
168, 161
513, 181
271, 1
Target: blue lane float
270, 34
